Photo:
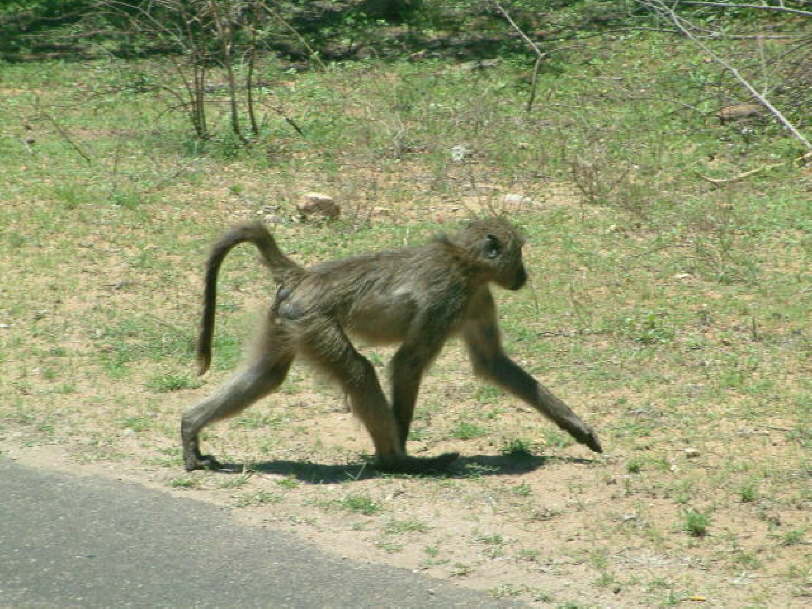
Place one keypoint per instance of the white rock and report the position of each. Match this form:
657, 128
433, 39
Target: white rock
318, 204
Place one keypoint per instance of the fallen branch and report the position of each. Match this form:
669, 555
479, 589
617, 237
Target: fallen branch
721, 181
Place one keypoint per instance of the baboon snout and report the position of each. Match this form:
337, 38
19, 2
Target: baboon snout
518, 280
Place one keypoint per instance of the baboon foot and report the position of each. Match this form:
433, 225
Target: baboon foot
198, 461
404, 464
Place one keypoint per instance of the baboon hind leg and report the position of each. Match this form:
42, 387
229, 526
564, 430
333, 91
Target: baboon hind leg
332, 351
257, 380
408, 365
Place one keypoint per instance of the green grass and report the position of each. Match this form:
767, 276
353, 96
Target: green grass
399, 527
360, 504
465, 430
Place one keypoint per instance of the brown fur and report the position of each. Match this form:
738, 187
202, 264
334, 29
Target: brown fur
416, 297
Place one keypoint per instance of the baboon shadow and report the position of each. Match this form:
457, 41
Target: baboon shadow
472, 466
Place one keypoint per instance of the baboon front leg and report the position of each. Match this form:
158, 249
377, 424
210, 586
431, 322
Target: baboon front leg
244, 388
489, 360
330, 349
505, 372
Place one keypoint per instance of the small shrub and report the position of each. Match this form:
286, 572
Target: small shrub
468, 431
517, 448
634, 466
695, 523
398, 527
258, 498
748, 493
164, 383
361, 504
185, 482
793, 538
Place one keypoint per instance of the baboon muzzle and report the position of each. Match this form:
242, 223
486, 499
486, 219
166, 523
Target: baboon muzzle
519, 280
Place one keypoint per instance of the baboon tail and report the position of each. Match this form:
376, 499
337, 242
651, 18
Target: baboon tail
281, 267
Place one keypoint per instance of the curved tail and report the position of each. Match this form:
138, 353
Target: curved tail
281, 266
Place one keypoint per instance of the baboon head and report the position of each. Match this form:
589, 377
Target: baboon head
495, 247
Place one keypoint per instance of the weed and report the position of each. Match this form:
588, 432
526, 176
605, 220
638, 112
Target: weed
492, 540
389, 547
128, 199
487, 394
400, 527
648, 328
185, 482
137, 424
288, 483
528, 555
494, 545
605, 580
793, 538
468, 431
522, 490
258, 420
634, 466
169, 381
746, 560
695, 523
542, 597
748, 493
258, 498
431, 551
507, 591
360, 504
570, 605
517, 448
460, 569
235, 481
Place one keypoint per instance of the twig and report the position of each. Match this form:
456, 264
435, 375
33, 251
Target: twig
288, 120
539, 55
313, 53
764, 7
62, 132
225, 33
747, 174
659, 6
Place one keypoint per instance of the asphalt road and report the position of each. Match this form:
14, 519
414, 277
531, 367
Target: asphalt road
82, 542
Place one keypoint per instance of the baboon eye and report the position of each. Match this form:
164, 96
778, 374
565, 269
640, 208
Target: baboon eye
492, 246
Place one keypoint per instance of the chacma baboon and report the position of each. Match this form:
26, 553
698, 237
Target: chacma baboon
415, 296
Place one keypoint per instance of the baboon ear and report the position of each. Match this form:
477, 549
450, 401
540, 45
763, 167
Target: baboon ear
492, 246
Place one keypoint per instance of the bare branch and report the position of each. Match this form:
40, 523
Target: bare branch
539, 54
685, 27
313, 53
763, 7
64, 134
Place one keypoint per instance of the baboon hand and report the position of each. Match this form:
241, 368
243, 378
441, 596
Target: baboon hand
587, 437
